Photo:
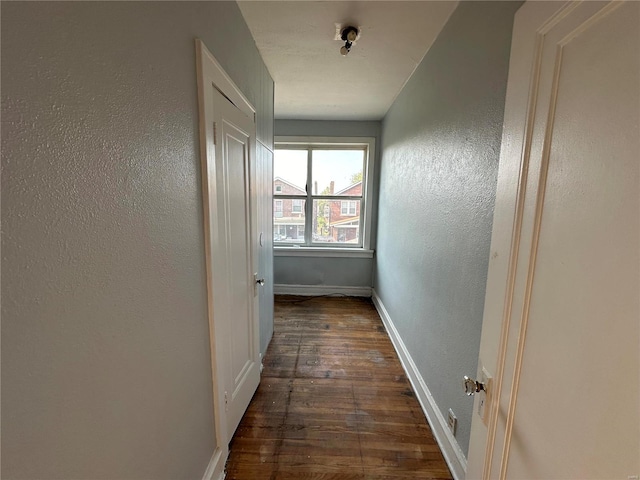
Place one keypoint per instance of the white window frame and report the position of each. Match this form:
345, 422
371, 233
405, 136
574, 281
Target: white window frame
296, 203
348, 204
316, 249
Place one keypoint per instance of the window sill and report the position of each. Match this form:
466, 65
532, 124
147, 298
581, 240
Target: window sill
322, 252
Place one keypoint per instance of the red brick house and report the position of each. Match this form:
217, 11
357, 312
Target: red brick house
334, 220
344, 223
288, 213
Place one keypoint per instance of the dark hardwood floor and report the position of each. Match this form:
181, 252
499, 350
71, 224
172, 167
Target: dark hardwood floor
333, 402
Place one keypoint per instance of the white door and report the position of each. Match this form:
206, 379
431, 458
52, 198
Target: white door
561, 325
234, 306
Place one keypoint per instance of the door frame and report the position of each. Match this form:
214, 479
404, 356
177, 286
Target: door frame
210, 73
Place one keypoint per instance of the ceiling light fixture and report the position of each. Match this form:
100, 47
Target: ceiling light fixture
348, 35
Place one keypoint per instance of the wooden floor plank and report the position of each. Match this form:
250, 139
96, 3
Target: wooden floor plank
333, 402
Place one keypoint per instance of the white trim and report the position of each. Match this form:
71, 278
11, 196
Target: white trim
220, 80
448, 444
207, 150
325, 252
215, 469
317, 290
321, 141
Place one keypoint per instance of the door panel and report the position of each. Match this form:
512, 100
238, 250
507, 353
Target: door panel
235, 160
565, 350
236, 326
583, 314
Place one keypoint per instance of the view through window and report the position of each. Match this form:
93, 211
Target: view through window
318, 195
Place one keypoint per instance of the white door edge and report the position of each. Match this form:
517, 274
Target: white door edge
208, 65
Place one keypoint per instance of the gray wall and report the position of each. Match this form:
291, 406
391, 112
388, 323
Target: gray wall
441, 144
342, 272
352, 272
105, 345
264, 194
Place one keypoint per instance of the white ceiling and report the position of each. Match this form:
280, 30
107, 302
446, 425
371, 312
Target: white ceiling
313, 81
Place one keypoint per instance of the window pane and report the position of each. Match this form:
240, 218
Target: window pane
337, 172
288, 221
277, 208
289, 172
336, 221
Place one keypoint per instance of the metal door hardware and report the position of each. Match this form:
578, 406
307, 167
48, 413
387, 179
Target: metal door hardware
471, 386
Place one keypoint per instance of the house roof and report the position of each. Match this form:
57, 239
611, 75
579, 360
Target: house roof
348, 188
346, 221
290, 184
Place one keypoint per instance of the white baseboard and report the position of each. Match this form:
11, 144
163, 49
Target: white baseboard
448, 444
215, 469
316, 290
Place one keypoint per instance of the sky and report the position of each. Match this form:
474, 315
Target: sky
336, 165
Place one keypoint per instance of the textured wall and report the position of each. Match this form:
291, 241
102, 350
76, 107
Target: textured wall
441, 144
342, 272
105, 352
354, 272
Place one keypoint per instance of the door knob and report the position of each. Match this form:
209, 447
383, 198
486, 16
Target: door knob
260, 281
471, 386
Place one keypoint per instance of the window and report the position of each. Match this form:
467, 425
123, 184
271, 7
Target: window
348, 208
277, 208
323, 186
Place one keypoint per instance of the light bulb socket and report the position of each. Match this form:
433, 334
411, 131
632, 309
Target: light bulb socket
349, 34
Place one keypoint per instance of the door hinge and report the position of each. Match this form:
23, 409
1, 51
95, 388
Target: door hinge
215, 133
226, 401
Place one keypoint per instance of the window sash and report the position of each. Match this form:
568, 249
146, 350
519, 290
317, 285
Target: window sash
355, 144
